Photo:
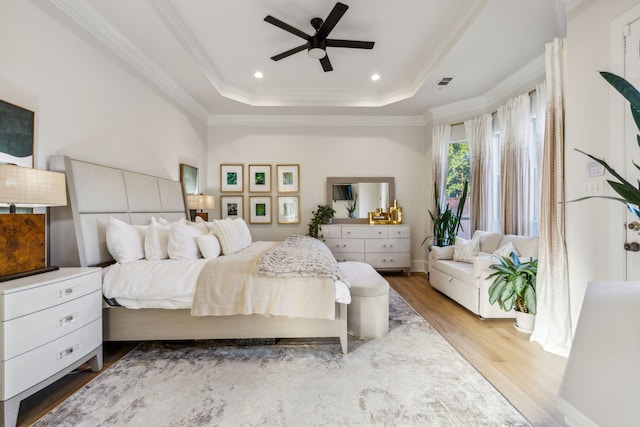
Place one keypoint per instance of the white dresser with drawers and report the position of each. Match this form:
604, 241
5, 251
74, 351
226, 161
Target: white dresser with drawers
51, 324
384, 247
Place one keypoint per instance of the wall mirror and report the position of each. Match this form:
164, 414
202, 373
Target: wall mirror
354, 197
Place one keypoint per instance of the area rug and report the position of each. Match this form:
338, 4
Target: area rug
410, 377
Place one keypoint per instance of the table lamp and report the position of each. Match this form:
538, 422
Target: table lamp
22, 236
200, 202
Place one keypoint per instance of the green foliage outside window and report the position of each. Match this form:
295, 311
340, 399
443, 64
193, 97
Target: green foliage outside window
459, 169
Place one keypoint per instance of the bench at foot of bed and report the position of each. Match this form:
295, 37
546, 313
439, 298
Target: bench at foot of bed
368, 313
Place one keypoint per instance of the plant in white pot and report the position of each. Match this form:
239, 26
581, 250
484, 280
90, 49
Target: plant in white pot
514, 287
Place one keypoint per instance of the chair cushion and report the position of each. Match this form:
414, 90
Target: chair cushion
364, 281
527, 246
489, 242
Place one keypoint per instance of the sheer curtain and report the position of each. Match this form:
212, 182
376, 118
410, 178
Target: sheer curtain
553, 320
479, 136
515, 167
441, 137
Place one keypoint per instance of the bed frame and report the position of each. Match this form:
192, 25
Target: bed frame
77, 236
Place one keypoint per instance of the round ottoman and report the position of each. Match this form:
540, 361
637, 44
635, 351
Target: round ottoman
368, 313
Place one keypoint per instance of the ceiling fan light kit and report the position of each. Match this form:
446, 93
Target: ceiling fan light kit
316, 44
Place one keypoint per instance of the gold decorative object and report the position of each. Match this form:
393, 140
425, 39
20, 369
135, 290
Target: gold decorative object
394, 216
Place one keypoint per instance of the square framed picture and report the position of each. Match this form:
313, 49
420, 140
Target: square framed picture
288, 178
288, 210
232, 207
260, 210
231, 178
260, 178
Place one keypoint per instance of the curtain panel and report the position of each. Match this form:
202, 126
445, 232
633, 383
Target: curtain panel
515, 166
441, 137
553, 320
481, 198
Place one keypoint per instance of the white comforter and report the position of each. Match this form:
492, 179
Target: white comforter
167, 284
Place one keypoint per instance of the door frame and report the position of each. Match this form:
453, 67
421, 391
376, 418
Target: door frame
617, 106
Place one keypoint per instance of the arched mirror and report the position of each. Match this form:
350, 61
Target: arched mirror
354, 197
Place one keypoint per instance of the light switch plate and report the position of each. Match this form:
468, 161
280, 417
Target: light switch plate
595, 169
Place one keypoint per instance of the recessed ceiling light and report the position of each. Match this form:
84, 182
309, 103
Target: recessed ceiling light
258, 75
375, 77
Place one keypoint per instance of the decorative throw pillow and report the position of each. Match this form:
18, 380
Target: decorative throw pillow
125, 242
156, 241
233, 234
505, 250
209, 245
464, 250
183, 243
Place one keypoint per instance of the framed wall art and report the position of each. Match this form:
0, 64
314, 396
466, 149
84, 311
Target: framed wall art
16, 135
189, 178
260, 210
260, 178
231, 178
288, 210
231, 207
288, 178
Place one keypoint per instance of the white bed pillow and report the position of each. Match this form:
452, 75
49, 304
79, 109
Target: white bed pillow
156, 241
125, 242
233, 235
183, 243
209, 245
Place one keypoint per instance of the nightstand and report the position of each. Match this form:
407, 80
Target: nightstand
51, 324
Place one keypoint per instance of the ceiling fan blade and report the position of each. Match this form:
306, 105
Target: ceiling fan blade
289, 52
334, 16
293, 30
326, 64
356, 44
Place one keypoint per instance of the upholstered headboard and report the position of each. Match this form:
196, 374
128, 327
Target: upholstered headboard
77, 232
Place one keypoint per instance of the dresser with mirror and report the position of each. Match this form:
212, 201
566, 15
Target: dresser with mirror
353, 238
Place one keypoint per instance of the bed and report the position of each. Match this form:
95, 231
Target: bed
98, 194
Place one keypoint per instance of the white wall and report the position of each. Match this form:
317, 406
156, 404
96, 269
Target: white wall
591, 224
321, 152
87, 104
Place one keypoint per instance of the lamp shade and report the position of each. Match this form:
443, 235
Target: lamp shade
28, 187
200, 201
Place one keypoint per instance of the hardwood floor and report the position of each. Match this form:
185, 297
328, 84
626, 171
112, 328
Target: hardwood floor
520, 369
525, 374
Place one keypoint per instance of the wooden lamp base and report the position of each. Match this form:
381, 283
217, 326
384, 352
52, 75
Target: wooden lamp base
22, 245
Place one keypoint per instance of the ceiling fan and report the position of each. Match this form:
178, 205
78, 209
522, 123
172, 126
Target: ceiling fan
317, 43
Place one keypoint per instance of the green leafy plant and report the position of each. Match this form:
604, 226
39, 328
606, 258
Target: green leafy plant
514, 284
446, 223
351, 206
322, 215
627, 192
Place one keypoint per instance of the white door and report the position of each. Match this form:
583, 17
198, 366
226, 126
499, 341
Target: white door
632, 151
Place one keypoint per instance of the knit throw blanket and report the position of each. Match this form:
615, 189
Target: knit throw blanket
300, 256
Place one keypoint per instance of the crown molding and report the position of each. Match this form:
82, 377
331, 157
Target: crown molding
272, 120
90, 20
524, 79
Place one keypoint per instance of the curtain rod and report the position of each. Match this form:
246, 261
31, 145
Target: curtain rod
531, 92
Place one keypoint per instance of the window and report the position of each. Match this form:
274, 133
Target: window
459, 171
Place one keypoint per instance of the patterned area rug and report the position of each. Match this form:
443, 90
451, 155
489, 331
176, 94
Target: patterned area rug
411, 377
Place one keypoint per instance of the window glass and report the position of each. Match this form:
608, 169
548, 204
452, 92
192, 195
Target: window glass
459, 171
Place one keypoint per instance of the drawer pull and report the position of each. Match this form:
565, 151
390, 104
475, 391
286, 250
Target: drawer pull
65, 293
66, 320
67, 352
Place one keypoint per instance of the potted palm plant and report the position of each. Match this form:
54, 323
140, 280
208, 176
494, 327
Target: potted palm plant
514, 287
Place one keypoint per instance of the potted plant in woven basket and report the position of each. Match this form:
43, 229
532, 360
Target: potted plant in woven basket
514, 287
